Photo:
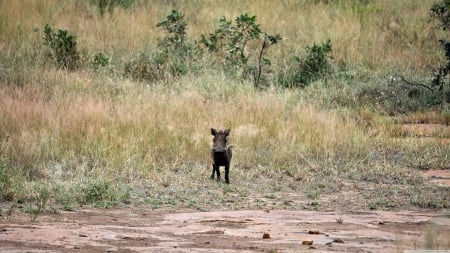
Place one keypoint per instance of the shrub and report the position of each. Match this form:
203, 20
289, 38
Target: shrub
231, 40
37, 199
100, 60
63, 47
440, 12
103, 193
174, 55
315, 65
177, 52
175, 26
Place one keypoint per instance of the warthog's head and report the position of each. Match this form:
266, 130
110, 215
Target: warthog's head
220, 140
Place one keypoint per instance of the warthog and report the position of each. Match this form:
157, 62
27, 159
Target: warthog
221, 153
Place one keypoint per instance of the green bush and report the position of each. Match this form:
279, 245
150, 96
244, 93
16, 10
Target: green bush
175, 54
232, 40
315, 65
175, 26
63, 47
179, 52
100, 60
440, 13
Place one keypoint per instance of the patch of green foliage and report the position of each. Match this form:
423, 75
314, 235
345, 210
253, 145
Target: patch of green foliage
6, 192
232, 40
36, 200
100, 60
63, 47
102, 193
173, 57
315, 65
175, 25
440, 12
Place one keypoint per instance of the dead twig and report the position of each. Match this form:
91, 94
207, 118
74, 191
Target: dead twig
415, 84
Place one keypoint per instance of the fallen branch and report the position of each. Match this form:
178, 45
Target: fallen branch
415, 84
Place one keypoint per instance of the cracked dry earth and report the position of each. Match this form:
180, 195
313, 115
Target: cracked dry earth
134, 229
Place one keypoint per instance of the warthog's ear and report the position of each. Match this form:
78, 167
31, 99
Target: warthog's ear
213, 131
227, 132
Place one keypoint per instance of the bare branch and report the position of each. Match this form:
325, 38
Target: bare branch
416, 84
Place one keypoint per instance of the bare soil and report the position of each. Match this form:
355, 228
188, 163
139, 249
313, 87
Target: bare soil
133, 229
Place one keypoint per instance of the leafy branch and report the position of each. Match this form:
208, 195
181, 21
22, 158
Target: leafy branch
232, 40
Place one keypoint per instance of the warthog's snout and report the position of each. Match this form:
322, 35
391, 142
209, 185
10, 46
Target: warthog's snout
221, 153
218, 150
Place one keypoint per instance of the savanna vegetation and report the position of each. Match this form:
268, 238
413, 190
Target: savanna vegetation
107, 103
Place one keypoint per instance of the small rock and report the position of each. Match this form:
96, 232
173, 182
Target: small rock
123, 237
266, 236
314, 232
312, 247
337, 240
307, 242
83, 235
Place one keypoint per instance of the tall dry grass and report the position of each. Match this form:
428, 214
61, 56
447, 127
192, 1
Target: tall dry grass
63, 127
381, 34
143, 130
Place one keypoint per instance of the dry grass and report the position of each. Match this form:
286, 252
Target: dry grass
85, 130
159, 137
381, 34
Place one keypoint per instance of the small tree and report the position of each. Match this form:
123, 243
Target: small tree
175, 46
175, 26
231, 40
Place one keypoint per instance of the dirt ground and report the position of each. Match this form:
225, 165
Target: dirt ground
133, 229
